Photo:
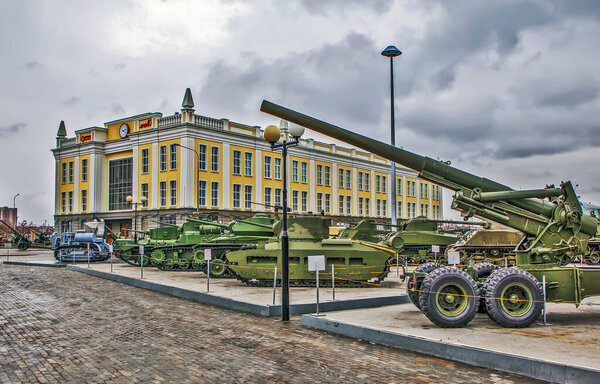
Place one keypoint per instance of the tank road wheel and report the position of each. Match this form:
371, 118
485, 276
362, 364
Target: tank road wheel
158, 257
484, 270
183, 264
198, 260
412, 288
513, 297
593, 258
448, 297
217, 268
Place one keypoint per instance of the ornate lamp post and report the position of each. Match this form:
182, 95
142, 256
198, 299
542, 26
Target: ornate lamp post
391, 52
16, 223
135, 204
196, 175
273, 134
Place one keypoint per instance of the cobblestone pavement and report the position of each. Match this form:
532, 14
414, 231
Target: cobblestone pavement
58, 325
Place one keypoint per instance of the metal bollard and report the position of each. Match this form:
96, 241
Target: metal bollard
544, 285
142, 267
208, 275
274, 284
397, 266
333, 281
88, 252
111, 267
318, 313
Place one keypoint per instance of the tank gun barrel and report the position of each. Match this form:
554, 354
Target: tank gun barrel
165, 224
14, 231
207, 222
255, 224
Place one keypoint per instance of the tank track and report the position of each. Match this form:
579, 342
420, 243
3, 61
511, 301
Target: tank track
133, 262
79, 258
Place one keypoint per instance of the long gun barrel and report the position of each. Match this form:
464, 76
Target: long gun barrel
165, 224
207, 222
14, 231
255, 224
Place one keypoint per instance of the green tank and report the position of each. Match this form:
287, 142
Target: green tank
128, 250
366, 230
187, 253
355, 262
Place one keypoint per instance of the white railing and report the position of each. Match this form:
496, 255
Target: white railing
208, 122
169, 121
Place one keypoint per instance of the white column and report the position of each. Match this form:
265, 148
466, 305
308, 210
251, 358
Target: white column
154, 186
335, 200
226, 187
92, 186
430, 194
418, 194
76, 192
187, 171
372, 210
136, 169
441, 203
57, 181
312, 182
258, 176
354, 193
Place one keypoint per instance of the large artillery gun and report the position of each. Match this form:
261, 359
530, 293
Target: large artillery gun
23, 243
555, 231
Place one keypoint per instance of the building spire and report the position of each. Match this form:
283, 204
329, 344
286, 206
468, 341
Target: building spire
188, 101
62, 130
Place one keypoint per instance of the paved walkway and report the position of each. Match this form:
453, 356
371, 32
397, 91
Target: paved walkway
62, 326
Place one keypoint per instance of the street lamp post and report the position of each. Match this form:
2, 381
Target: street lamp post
391, 52
15, 209
196, 175
135, 204
272, 134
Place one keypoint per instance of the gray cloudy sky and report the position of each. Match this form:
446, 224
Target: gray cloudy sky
505, 89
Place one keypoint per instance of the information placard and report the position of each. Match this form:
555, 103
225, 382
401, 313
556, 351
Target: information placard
316, 263
8, 245
435, 248
208, 254
453, 258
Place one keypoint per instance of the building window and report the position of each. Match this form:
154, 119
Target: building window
384, 207
63, 202
64, 173
120, 183
360, 181
327, 175
83, 200
384, 184
399, 205
144, 190
367, 206
248, 163
378, 183
319, 175
237, 190
267, 167
71, 166
348, 179
268, 198
360, 206
378, 205
163, 193
84, 170
201, 157
295, 171
277, 169
248, 196
348, 205
341, 204
319, 202
278, 197
214, 159
366, 182
214, 194
304, 173
340, 178
202, 193
399, 189
173, 162
237, 162
424, 210
173, 190
145, 161
70, 201
327, 203
304, 201
295, 201
163, 158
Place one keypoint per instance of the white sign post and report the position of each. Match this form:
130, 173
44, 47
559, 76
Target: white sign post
435, 249
7, 246
88, 252
316, 264
208, 258
142, 262
333, 281
110, 252
274, 284
453, 258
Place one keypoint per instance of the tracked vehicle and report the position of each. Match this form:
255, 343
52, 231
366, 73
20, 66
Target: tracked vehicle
82, 246
555, 232
356, 263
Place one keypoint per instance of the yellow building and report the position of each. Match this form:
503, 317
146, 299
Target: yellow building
157, 156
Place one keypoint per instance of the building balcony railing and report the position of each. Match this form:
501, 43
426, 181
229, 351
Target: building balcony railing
208, 122
169, 121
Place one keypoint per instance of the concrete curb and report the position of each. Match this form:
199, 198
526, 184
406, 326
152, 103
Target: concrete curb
530, 367
34, 264
241, 306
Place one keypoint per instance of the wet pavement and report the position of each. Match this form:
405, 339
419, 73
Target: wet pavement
58, 325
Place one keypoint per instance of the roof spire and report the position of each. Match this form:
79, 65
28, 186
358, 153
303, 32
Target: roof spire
62, 131
188, 102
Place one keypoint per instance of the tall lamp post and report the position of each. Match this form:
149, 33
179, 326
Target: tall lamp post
196, 175
272, 134
391, 52
16, 223
135, 204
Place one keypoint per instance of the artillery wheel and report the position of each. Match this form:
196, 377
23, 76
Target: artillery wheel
22, 246
593, 258
484, 270
158, 257
413, 288
448, 297
513, 297
217, 268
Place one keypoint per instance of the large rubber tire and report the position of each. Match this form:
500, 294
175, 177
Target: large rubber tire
412, 288
484, 270
449, 297
513, 297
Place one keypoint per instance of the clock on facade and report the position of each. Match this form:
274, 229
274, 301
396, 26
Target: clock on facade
123, 130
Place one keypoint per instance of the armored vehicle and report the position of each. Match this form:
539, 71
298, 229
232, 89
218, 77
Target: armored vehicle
82, 246
22, 242
491, 245
355, 262
555, 231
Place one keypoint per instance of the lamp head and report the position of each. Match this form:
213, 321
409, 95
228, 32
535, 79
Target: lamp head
391, 51
129, 198
143, 199
272, 134
296, 131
